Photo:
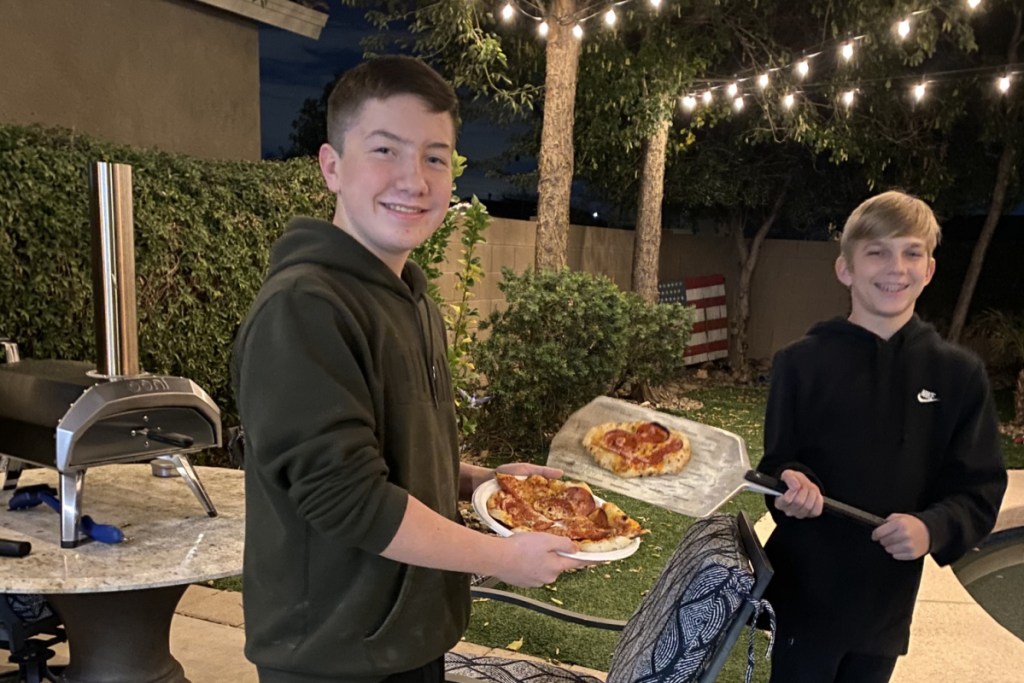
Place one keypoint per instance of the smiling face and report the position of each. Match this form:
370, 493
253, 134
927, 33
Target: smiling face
885, 276
393, 178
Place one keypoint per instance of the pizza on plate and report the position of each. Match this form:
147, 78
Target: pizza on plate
638, 449
563, 508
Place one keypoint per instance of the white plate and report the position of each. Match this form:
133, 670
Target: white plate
489, 487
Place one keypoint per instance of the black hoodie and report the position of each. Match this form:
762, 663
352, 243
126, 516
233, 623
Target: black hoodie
905, 425
344, 393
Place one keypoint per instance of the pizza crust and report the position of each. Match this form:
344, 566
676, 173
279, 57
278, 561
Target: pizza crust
638, 465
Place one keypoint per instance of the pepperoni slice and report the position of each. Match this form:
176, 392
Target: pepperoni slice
652, 432
620, 441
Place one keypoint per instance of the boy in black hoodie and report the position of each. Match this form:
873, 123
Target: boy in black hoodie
355, 561
877, 411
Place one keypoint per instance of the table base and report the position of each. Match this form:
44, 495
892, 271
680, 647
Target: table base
120, 636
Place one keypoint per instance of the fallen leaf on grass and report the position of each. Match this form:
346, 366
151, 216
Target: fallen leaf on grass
557, 601
515, 645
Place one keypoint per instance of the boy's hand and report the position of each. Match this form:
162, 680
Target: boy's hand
905, 537
533, 559
803, 499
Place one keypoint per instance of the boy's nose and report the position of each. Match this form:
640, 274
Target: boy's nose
413, 179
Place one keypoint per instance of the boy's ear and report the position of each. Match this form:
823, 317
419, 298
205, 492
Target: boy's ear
931, 270
330, 167
843, 271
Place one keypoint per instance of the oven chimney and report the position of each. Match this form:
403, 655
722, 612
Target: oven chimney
113, 270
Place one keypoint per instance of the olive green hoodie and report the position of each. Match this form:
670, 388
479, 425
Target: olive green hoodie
344, 392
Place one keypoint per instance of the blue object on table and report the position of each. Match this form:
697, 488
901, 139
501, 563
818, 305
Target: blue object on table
31, 496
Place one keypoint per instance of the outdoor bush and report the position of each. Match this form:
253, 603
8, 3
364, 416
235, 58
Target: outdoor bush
565, 338
202, 230
658, 336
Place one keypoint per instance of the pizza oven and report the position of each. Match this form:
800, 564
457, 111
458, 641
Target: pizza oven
70, 415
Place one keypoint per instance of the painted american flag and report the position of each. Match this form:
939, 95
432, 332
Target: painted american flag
706, 293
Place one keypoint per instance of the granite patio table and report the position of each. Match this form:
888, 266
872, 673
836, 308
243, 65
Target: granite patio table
117, 601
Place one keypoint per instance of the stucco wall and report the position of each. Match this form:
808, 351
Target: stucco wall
794, 285
170, 74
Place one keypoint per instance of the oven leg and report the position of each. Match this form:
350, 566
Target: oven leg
191, 477
70, 507
10, 472
121, 636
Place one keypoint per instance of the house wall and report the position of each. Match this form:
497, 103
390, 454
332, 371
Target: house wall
794, 285
170, 74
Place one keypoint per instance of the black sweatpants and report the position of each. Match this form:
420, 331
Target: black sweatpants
796, 661
431, 672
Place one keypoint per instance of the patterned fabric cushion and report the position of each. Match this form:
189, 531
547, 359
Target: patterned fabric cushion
501, 670
676, 630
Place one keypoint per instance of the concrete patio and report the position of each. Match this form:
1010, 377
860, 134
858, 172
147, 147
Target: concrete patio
952, 637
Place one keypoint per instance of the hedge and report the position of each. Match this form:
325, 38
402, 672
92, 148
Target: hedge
203, 231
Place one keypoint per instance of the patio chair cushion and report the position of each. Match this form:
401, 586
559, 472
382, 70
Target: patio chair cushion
501, 670
675, 632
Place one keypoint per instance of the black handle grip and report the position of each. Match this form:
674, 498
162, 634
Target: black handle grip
856, 514
170, 438
14, 548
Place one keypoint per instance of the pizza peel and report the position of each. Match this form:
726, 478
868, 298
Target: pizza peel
718, 469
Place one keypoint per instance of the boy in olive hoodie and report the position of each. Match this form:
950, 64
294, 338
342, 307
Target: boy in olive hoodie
878, 411
355, 561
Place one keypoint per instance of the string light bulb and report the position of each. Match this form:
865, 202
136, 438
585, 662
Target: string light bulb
655, 4
689, 102
508, 11
733, 89
542, 29
762, 81
848, 98
737, 103
788, 101
610, 17
973, 4
1003, 84
577, 32
707, 97
903, 28
803, 68
846, 51
919, 91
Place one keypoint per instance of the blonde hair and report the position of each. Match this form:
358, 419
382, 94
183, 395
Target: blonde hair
890, 214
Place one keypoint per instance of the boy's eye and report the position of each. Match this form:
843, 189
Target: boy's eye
382, 150
437, 161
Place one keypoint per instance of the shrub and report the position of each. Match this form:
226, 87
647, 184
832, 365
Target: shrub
565, 338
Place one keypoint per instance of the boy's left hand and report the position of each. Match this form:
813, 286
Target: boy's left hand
905, 537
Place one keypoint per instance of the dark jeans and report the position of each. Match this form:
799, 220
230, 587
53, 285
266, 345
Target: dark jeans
794, 661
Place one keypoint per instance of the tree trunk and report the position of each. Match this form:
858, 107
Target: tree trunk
1018, 400
995, 209
995, 212
647, 240
556, 149
740, 319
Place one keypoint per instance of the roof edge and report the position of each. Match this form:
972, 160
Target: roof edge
283, 14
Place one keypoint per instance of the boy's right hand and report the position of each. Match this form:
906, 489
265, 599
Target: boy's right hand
532, 559
803, 499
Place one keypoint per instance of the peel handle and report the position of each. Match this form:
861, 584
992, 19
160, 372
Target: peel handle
778, 487
10, 548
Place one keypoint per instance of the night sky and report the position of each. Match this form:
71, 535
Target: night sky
294, 68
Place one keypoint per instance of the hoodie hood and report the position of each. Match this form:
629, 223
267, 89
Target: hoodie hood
915, 331
313, 241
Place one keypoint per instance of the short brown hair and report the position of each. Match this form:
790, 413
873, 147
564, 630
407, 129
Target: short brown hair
380, 79
890, 214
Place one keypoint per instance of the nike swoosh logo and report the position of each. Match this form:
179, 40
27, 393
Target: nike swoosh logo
925, 396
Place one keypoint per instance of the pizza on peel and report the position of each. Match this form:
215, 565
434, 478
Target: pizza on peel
563, 508
638, 449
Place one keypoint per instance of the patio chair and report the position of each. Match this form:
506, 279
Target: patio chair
683, 630
28, 629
